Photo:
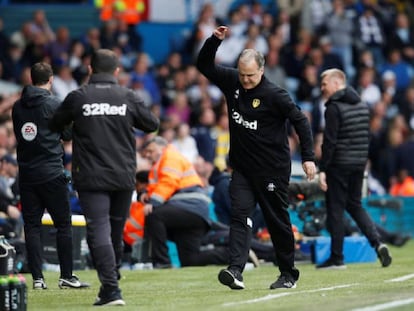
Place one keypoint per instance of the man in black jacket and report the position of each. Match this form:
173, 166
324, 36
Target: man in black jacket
259, 155
104, 116
42, 182
344, 156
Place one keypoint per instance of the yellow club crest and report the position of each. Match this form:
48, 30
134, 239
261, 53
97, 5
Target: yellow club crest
256, 103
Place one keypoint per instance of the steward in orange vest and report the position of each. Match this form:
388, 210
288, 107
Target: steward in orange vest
404, 186
176, 208
128, 10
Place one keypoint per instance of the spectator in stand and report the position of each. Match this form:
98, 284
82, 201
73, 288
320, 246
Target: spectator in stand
368, 87
40, 24
36, 50
330, 58
223, 139
23, 36
75, 53
179, 110
274, 71
12, 63
237, 22
107, 34
391, 96
403, 156
407, 107
255, 40
142, 71
314, 14
403, 71
340, 30
58, 49
185, 143
204, 25
382, 149
308, 90
293, 62
205, 134
11, 223
91, 40
402, 37
203, 87
63, 83
370, 35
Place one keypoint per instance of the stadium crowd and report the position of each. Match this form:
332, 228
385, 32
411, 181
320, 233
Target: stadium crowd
371, 40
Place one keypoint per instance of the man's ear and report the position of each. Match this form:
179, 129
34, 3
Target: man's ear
117, 71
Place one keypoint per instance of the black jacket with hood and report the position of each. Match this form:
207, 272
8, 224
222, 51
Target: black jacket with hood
39, 150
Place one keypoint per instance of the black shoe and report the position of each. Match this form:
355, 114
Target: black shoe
231, 278
332, 264
112, 298
72, 282
384, 255
285, 280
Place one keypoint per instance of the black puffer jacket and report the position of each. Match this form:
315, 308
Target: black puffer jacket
346, 134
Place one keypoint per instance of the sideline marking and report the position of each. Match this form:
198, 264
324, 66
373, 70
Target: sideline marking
402, 278
387, 305
273, 296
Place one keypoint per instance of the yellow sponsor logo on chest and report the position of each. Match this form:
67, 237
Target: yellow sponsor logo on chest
256, 103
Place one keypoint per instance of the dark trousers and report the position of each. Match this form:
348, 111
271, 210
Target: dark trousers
184, 228
272, 195
344, 194
105, 213
53, 197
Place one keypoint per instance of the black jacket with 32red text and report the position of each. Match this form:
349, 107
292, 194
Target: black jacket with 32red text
258, 119
104, 115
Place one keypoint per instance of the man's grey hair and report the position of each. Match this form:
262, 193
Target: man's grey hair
158, 140
248, 54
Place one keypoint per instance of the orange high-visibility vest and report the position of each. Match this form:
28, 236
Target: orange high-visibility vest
170, 174
106, 7
130, 10
406, 188
134, 225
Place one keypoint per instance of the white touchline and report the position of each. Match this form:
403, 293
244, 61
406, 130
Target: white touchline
387, 305
402, 278
274, 296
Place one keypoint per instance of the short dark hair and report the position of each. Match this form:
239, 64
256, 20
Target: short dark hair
41, 73
142, 176
104, 61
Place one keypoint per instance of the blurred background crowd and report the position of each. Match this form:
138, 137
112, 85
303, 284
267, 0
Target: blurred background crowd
371, 40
